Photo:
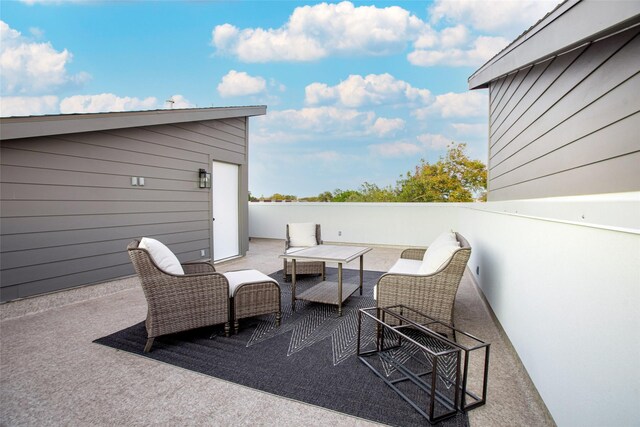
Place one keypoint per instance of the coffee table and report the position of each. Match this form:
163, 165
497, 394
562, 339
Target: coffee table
326, 292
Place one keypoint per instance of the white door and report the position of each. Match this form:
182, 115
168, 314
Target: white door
224, 189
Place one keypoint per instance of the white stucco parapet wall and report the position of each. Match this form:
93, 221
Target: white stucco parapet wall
562, 276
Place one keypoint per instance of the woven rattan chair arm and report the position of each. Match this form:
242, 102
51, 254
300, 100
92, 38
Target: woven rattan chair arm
193, 267
413, 253
211, 280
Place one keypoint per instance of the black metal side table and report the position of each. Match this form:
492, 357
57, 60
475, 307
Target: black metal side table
437, 373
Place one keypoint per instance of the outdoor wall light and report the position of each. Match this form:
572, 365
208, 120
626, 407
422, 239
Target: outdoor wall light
204, 180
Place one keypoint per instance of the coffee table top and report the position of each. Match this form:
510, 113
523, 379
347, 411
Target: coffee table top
328, 253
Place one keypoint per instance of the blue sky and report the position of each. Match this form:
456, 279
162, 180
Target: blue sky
356, 91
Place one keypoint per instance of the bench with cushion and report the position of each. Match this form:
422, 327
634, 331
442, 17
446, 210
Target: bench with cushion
426, 280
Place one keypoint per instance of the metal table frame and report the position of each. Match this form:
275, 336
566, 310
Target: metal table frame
324, 292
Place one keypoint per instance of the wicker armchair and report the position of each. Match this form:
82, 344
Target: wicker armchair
302, 267
433, 294
178, 303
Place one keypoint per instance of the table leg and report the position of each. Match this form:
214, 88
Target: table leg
361, 262
339, 289
293, 285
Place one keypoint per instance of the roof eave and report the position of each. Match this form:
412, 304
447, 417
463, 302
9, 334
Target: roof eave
551, 36
33, 126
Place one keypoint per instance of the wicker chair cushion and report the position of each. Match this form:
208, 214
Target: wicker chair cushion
437, 257
442, 239
405, 266
302, 234
162, 256
237, 278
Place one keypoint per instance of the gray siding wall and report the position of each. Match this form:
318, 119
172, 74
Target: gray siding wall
569, 125
69, 210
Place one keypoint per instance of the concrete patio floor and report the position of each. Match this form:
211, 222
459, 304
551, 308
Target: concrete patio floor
52, 374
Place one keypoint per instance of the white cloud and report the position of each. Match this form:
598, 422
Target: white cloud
475, 129
385, 127
373, 89
105, 102
28, 105
315, 32
32, 68
454, 36
482, 49
434, 141
322, 119
239, 83
509, 17
395, 149
465, 104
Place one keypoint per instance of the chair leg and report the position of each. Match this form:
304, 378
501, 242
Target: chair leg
227, 329
236, 326
278, 318
147, 347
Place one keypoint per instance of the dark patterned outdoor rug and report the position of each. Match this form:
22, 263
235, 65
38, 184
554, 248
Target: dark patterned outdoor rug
311, 357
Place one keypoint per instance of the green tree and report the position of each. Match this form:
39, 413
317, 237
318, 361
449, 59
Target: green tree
453, 178
373, 193
346, 196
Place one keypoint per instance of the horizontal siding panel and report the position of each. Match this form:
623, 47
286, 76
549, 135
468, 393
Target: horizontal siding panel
521, 93
514, 93
53, 239
61, 162
521, 117
67, 193
127, 144
617, 104
222, 140
156, 136
494, 89
33, 273
79, 279
237, 122
213, 128
69, 209
24, 175
590, 149
564, 86
502, 93
12, 208
25, 258
620, 174
71, 281
18, 225
81, 151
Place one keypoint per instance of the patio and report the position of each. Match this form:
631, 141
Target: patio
52, 373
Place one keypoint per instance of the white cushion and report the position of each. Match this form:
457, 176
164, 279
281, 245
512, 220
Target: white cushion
237, 278
162, 256
405, 266
448, 237
302, 234
436, 257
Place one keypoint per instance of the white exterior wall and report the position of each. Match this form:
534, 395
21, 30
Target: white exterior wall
565, 291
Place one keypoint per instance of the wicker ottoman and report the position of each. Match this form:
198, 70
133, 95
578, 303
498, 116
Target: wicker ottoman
252, 293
